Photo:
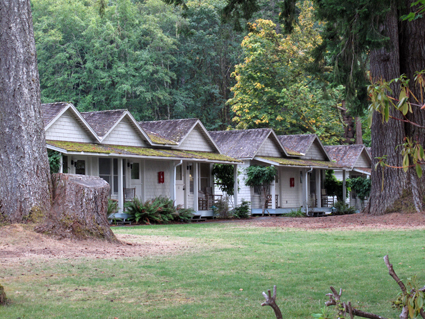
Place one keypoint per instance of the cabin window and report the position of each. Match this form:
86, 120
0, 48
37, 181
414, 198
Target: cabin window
135, 171
179, 175
108, 170
190, 169
205, 176
257, 190
80, 167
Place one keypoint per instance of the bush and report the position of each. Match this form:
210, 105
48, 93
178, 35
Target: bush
158, 210
184, 214
295, 213
242, 211
343, 209
112, 207
221, 208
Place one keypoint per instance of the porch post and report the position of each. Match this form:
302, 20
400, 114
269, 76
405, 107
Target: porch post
120, 186
306, 191
61, 164
273, 193
186, 181
143, 163
319, 187
195, 186
344, 192
235, 185
173, 182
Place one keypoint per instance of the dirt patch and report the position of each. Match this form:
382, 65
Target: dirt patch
20, 243
346, 222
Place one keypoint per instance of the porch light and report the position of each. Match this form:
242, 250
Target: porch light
130, 164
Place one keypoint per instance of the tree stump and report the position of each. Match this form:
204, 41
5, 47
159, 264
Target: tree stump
79, 208
2, 296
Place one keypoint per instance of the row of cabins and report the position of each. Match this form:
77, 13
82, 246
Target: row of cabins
174, 158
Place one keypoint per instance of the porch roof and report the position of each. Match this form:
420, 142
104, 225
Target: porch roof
140, 152
292, 162
347, 155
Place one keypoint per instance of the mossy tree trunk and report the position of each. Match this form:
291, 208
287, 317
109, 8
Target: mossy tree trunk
24, 167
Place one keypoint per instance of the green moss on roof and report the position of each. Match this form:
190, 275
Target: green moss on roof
81, 147
301, 162
292, 152
214, 156
141, 151
160, 140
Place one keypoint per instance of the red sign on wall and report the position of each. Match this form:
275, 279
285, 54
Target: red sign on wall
292, 182
160, 177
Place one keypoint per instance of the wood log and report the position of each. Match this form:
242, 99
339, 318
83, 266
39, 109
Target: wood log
79, 208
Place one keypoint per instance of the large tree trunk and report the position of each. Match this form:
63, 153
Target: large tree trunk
405, 56
24, 166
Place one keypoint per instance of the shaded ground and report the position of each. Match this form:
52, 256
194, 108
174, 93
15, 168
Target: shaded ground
19, 243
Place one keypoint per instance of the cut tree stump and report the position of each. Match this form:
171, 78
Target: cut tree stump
3, 298
79, 208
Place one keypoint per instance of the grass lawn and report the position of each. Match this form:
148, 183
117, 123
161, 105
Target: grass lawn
224, 277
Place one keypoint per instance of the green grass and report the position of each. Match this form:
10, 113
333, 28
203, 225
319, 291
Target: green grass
207, 283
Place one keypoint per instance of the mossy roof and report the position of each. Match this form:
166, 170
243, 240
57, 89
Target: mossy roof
301, 162
139, 151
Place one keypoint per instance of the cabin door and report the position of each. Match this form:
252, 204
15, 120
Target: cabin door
136, 177
179, 186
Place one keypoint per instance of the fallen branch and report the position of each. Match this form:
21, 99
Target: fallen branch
271, 301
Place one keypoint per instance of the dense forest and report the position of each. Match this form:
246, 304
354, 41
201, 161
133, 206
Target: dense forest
162, 62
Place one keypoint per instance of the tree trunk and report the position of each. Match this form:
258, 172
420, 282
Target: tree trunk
359, 135
24, 166
405, 56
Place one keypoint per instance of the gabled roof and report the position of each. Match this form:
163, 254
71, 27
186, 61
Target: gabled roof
173, 131
243, 143
53, 111
104, 122
347, 155
298, 143
296, 162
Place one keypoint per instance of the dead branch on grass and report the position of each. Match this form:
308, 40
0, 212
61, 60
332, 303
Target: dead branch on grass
271, 301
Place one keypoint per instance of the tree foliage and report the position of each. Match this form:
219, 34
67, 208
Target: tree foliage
275, 90
224, 177
144, 56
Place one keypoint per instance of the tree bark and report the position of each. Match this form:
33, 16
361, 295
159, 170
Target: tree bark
404, 56
24, 166
359, 135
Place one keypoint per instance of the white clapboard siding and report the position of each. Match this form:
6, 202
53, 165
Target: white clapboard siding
363, 160
196, 141
291, 197
152, 187
315, 152
269, 148
67, 128
124, 134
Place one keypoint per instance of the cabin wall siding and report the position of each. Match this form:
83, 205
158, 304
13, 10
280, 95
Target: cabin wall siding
124, 134
67, 128
269, 148
196, 141
363, 161
315, 152
152, 187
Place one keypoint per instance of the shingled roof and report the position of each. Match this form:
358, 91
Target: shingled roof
298, 143
102, 121
346, 155
240, 143
173, 131
52, 110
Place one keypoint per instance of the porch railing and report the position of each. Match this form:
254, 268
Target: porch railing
207, 201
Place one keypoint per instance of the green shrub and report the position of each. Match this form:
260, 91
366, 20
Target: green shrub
343, 208
242, 211
221, 208
112, 206
295, 213
158, 210
184, 214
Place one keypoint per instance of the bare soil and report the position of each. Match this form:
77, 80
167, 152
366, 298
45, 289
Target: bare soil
19, 243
